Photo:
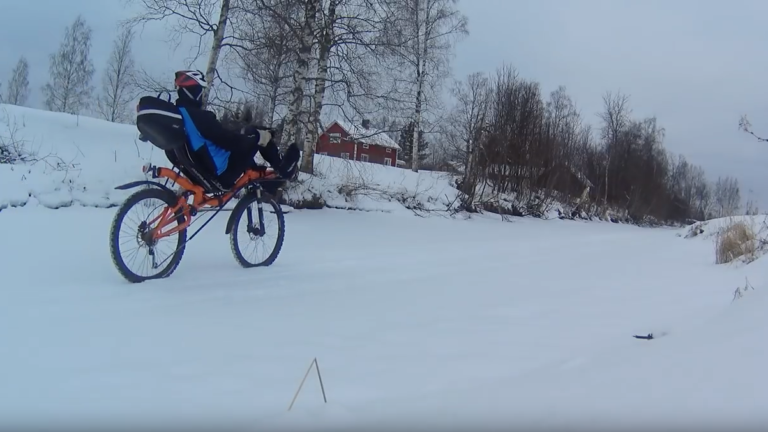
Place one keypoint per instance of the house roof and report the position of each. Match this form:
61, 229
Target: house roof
367, 136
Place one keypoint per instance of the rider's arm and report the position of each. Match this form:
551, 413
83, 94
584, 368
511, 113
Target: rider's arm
210, 127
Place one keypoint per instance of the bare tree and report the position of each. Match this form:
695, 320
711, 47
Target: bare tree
727, 196
265, 56
466, 123
71, 71
421, 35
113, 103
202, 18
17, 91
326, 28
306, 38
145, 82
615, 119
746, 126
333, 53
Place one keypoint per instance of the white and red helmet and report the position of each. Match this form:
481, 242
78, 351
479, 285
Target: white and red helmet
190, 84
190, 78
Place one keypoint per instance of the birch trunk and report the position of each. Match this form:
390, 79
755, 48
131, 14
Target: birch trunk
213, 59
310, 140
419, 88
292, 123
272, 106
421, 61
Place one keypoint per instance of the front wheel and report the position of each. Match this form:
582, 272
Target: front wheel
260, 228
129, 239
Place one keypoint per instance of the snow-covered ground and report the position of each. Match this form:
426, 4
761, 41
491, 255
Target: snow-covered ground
414, 321
82, 159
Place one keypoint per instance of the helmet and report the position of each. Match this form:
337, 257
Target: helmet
189, 78
189, 85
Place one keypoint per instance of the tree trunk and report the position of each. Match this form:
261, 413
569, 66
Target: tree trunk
310, 138
419, 88
292, 124
213, 59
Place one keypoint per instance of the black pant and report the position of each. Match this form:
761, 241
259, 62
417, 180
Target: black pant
239, 161
244, 158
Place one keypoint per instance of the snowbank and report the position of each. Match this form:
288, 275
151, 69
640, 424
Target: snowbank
710, 228
79, 160
345, 184
752, 245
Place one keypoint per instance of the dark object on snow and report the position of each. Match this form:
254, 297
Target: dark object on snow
648, 337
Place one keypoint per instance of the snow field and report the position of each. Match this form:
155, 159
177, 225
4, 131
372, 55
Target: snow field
416, 322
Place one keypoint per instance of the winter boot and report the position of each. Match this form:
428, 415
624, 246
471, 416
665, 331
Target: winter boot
289, 166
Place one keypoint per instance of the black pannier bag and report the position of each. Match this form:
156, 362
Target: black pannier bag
160, 123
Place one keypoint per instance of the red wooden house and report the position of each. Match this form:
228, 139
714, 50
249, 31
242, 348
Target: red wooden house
359, 143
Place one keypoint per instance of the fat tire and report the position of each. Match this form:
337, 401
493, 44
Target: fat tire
170, 200
250, 199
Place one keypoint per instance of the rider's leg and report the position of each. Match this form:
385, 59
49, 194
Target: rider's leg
239, 161
289, 165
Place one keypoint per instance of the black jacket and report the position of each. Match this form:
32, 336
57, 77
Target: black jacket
211, 129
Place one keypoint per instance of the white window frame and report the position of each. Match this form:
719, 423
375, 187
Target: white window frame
388, 161
389, 150
335, 137
363, 157
345, 156
365, 146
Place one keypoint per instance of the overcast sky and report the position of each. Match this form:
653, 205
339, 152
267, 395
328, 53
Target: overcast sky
695, 64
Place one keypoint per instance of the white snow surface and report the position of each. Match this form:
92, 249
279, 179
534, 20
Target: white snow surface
417, 323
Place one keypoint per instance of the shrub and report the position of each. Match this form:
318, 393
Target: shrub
735, 240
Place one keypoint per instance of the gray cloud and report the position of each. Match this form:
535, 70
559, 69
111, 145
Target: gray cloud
695, 64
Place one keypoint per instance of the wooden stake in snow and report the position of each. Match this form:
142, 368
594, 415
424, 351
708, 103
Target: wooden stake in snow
319, 377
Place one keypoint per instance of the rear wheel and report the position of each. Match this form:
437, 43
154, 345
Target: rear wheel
258, 231
137, 256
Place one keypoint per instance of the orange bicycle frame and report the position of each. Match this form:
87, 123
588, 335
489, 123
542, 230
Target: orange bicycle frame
200, 198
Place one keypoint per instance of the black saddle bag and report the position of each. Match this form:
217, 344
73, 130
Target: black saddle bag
160, 123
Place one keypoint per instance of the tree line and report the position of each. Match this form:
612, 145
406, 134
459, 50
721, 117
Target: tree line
289, 63
507, 138
70, 87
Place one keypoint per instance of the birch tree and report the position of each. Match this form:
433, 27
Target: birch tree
203, 18
331, 52
348, 64
113, 103
265, 56
325, 24
332, 38
306, 39
71, 71
421, 38
17, 91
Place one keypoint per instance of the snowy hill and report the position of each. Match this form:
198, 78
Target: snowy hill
415, 322
82, 159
